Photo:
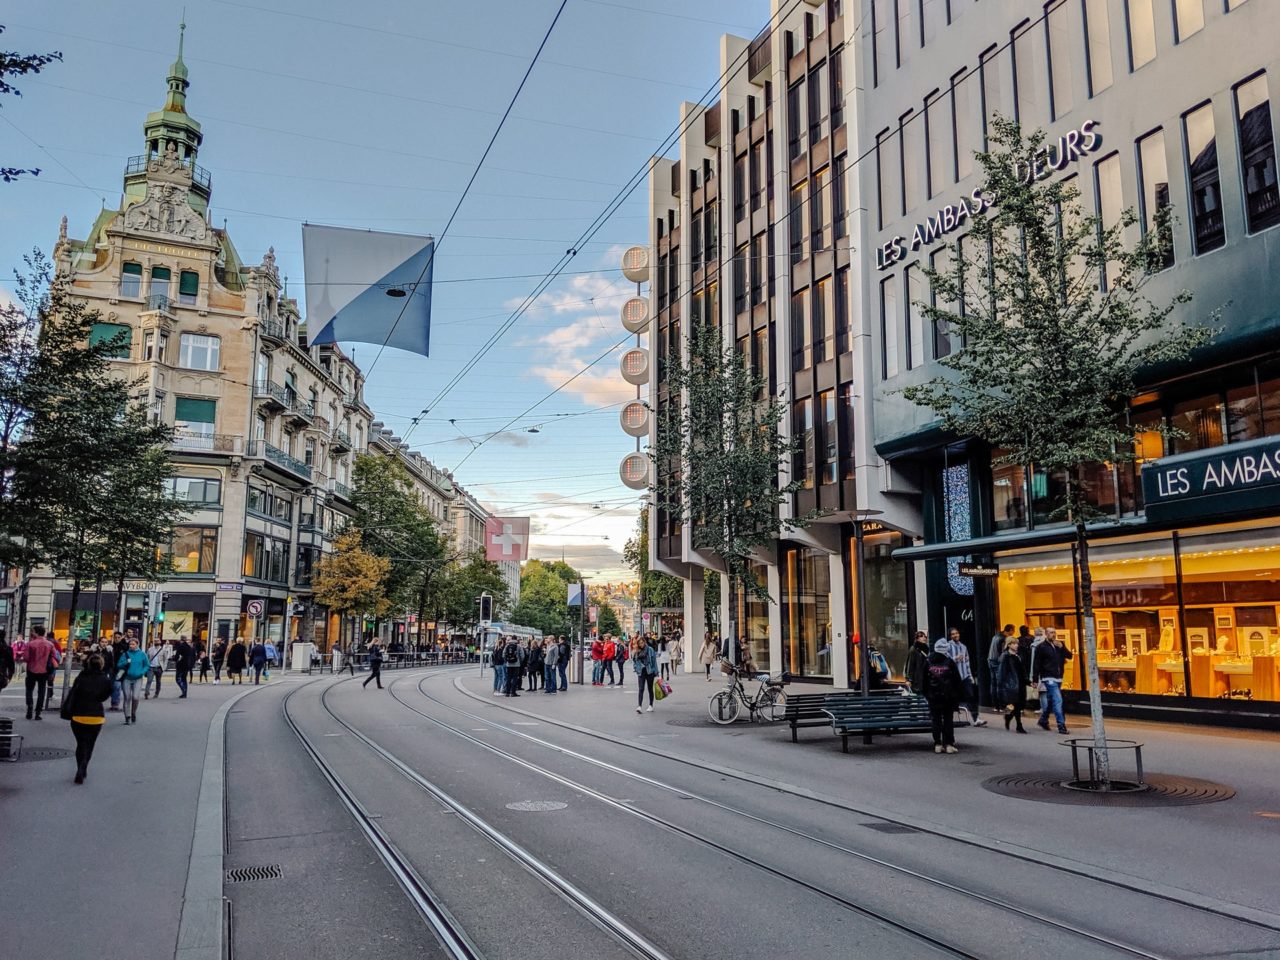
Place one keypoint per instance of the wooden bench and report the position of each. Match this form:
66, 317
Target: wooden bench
877, 714
809, 709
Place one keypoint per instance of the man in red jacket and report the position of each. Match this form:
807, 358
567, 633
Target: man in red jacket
597, 663
609, 651
42, 662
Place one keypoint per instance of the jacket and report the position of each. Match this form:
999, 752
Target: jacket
258, 655
917, 666
942, 684
551, 655
375, 653
1011, 681
597, 650
134, 663
707, 655
90, 689
185, 655
565, 652
219, 651
610, 650
535, 658
645, 661
237, 658
959, 654
42, 656
996, 650
1048, 660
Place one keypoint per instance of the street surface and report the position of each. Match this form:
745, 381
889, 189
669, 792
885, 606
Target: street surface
569, 827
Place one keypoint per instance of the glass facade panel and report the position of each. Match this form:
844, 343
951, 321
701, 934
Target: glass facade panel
824, 327
1257, 153
1208, 228
804, 466
1097, 25
1142, 32
889, 320
1061, 39
1197, 425
939, 158
1188, 18
910, 147
961, 125
887, 600
1153, 183
1008, 495
829, 446
991, 68
801, 331
753, 618
1028, 64
915, 316
1106, 174
887, 173
131, 280
806, 612
194, 549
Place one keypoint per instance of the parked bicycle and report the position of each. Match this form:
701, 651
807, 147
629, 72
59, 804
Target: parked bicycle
769, 701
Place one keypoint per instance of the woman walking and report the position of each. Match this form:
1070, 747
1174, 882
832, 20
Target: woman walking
134, 665
237, 660
218, 657
676, 649
1011, 682
664, 658
644, 660
83, 707
202, 657
707, 656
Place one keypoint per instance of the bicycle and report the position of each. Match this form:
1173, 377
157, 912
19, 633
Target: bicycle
769, 700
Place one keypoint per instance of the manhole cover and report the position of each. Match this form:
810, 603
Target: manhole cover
976, 763
691, 722
890, 827
1163, 790
271, 871
44, 753
530, 806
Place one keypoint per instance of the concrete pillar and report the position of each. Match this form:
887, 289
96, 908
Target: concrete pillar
695, 618
841, 630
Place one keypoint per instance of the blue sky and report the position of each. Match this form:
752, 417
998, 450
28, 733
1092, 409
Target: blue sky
373, 115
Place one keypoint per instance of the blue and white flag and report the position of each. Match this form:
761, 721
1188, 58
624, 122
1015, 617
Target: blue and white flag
367, 286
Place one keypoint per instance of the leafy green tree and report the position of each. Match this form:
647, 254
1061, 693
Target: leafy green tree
1057, 334
352, 580
608, 621
544, 597
14, 64
462, 583
721, 459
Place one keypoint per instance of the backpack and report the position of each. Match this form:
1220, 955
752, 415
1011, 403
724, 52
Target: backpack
511, 654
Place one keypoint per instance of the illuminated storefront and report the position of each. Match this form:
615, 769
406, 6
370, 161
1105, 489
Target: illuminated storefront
752, 616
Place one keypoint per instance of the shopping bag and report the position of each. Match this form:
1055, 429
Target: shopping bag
664, 686
658, 692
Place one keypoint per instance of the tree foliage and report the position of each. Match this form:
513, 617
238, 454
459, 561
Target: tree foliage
13, 64
352, 580
1057, 332
607, 620
461, 584
544, 597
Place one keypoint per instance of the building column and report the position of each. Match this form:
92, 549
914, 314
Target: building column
695, 617
841, 631
773, 578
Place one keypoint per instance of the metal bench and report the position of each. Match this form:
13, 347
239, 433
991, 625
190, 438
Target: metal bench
808, 709
876, 714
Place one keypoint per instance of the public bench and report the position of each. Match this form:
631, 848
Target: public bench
808, 709
876, 714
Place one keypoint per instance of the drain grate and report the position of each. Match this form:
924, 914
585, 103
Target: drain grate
1163, 790
271, 871
882, 827
32, 754
691, 722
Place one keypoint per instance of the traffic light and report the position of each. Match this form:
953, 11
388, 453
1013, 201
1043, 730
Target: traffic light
486, 608
164, 602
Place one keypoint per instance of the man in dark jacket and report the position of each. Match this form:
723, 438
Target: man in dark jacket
1047, 665
184, 658
994, 653
258, 660
943, 690
118, 649
375, 665
562, 667
513, 655
918, 662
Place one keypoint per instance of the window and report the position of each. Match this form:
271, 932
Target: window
801, 331
795, 121
118, 336
663, 294
837, 88
266, 558
889, 319
909, 138
1153, 185
161, 280
1207, 227
991, 70
195, 416
819, 103
841, 309
131, 280
887, 172
804, 467
188, 287
915, 316
309, 452
757, 271
195, 489
740, 279
712, 254
761, 368
795, 221
194, 549
839, 199
1106, 174
740, 189
1188, 18
198, 352
757, 175
879, 24
902, 29
940, 263
695, 249
1058, 37
1027, 63
1008, 494
1142, 32
847, 421
961, 132
1198, 424
932, 15
936, 156
824, 322
1097, 30
829, 445
263, 368
673, 268
820, 211
1257, 153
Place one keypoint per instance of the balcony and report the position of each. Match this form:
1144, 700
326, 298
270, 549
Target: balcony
278, 458
298, 410
760, 58
219, 443
340, 490
350, 401
320, 424
199, 175
272, 395
340, 442
272, 331
160, 302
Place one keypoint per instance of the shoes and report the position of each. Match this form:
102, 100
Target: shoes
183, 697
1042, 724
1022, 729
979, 722
79, 778
114, 709
638, 710
1008, 719
649, 709
938, 748
497, 693
952, 749
37, 717
28, 713
126, 721
217, 682
1063, 730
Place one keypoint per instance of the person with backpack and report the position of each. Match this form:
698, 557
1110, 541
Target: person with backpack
258, 660
83, 708
537, 665
134, 665
644, 660
42, 658
516, 657
958, 651
118, 649
944, 690
375, 665
608, 653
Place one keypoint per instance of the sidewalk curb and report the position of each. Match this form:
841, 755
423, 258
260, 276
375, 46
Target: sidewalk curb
1167, 892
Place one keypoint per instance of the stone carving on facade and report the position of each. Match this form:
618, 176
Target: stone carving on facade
63, 243
166, 211
169, 167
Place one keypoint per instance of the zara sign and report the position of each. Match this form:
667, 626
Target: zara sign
1049, 159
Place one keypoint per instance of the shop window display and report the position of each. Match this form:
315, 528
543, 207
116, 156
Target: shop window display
752, 615
806, 612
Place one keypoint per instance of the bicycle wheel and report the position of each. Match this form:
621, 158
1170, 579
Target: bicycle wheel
723, 707
775, 706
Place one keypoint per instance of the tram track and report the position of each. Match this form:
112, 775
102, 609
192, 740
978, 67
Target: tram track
1243, 915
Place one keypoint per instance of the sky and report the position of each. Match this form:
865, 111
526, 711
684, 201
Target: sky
374, 115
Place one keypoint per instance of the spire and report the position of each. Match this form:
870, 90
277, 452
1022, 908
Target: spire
177, 100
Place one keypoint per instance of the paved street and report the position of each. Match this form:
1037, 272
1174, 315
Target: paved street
573, 827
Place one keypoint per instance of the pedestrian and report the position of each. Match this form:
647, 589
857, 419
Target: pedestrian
664, 658
917, 666
550, 660
1011, 683
1025, 642
42, 663
944, 690
620, 654
676, 649
83, 707
273, 657
7, 664
537, 665
958, 651
184, 658
995, 653
218, 656
375, 665
20, 655
707, 655
644, 660
258, 660
514, 657
562, 667
1047, 666
597, 662
134, 665
158, 654
203, 658
237, 660
497, 659
610, 651
118, 650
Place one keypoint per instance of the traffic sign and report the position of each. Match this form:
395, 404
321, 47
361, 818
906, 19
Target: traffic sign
644, 618
254, 609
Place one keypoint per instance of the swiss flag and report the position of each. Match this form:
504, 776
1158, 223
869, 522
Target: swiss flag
506, 538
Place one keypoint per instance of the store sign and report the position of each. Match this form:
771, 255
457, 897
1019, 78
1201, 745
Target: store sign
1048, 160
979, 570
1233, 478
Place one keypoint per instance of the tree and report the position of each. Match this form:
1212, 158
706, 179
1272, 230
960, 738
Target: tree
721, 458
462, 583
656, 589
14, 64
607, 620
544, 597
1052, 357
351, 580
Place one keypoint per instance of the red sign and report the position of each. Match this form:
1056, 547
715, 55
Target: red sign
506, 538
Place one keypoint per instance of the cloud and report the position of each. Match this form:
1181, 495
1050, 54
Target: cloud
509, 438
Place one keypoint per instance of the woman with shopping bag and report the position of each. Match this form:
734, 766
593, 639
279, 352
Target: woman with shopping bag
644, 660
